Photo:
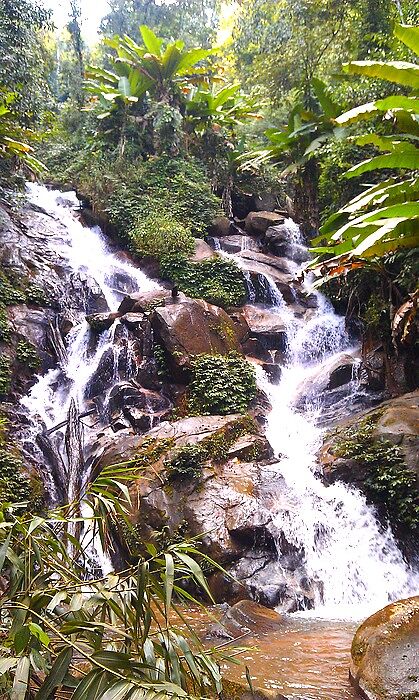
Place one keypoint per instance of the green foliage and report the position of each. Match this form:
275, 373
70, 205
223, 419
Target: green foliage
159, 235
5, 374
15, 487
385, 217
221, 384
389, 483
216, 280
126, 193
13, 137
120, 639
186, 463
27, 355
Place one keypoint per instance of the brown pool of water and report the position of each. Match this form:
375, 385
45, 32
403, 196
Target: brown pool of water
307, 658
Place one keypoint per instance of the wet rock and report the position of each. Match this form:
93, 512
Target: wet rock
266, 201
202, 251
384, 653
139, 302
31, 324
133, 321
342, 374
192, 327
278, 234
253, 348
273, 371
280, 264
268, 328
257, 222
240, 691
220, 227
101, 322
252, 616
293, 251
238, 243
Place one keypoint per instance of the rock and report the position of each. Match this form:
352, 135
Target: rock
280, 264
133, 321
253, 348
238, 243
192, 327
343, 374
247, 614
139, 302
278, 234
384, 653
240, 691
257, 222
268, 328
220, 227
202, 251
293, 251
266, 201
101, 322
273, 371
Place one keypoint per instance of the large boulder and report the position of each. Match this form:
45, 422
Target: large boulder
221, 226
384, 653
138, 302
202, 251
257, 222
238, 243
268, 328
192, 327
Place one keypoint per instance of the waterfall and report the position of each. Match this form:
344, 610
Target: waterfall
87, 255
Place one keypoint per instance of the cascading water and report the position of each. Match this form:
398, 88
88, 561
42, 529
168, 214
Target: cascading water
86, 254
352, 561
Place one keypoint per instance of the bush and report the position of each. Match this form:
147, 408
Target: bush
221, 384
186, 463
389, 483
5, 374
216, 280
160, 235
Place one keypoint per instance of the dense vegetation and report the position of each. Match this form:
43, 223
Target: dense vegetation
161, 127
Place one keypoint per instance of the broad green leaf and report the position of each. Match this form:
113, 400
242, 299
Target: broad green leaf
124, 87
407, 161
92, 686
409, 35
39, 633
195, 570
330, 108
118, 691
398, 102
56, 675
151, 41
400, 72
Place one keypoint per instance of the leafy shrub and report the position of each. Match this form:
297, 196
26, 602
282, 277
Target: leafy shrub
216, 280
4, 325
221, 384
160, 235
5, 374
389, 483
27, 355
14, 485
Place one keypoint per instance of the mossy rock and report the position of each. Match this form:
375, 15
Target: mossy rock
384, 663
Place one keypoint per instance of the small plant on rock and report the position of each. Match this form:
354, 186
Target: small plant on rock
221, 384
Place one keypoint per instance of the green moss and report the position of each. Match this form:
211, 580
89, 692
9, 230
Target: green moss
221, 384
188, 460
216, 280
5, 331
389, 483
26, 354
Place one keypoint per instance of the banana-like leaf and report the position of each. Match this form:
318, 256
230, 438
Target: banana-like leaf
387, 143
21, 679
151, 41
403, 160
409, 35
400, 72
329, 106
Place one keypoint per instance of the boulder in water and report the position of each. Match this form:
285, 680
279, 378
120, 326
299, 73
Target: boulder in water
257, 222
248, 615
138, 302
238, 243
268, 328
384, 653
101, 322
220, 227
192, 327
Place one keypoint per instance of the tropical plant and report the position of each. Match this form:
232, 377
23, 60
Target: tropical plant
226, 106
111, 637
385, 217
296, 146
152, 68
13, 137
